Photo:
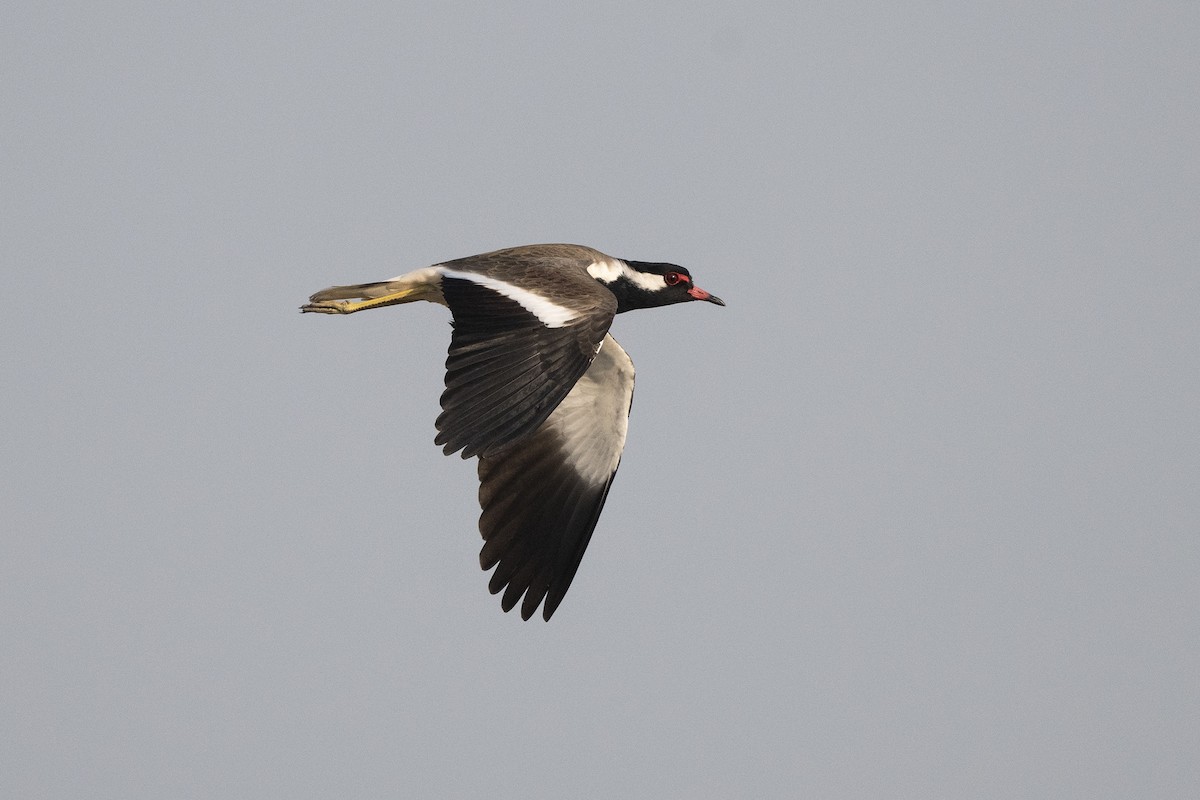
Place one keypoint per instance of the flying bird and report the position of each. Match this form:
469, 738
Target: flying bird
537, 389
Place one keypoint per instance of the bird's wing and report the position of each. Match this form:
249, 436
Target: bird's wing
515, 354
542, 497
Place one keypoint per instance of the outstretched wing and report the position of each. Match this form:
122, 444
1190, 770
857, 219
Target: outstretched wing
541, 498
515, 354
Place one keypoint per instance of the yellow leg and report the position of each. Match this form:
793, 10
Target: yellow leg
351, 306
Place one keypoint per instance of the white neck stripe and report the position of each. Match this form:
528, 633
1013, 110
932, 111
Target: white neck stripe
611, 270
607, 271
649, 281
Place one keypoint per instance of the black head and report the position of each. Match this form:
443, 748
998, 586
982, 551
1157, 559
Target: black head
646, 284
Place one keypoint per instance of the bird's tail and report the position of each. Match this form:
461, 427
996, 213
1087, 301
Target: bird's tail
358, 291
424, 284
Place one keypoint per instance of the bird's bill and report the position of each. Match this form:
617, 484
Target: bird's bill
699, 294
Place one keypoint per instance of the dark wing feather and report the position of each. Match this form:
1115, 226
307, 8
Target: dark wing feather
541, 498
506, 371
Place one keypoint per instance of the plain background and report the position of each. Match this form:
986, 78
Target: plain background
916, 515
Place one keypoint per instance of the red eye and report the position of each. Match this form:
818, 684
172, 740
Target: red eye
673, 278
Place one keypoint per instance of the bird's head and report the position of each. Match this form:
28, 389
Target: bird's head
647, 284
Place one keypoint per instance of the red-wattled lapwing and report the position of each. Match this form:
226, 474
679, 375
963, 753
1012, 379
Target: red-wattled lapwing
537, 388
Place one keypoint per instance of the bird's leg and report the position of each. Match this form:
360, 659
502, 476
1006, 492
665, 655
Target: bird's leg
351, 306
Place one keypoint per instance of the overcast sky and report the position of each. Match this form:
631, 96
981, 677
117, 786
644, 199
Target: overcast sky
916, 515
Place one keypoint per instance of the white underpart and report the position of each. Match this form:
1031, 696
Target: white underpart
592, 420
612, 269
551, 314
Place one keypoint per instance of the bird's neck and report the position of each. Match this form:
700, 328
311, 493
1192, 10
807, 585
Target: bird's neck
632, 288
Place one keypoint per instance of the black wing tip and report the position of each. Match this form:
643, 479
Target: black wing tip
511, 597
471, 444
451, 445
542, 577
549, 606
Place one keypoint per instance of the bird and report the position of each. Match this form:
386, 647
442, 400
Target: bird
537, 389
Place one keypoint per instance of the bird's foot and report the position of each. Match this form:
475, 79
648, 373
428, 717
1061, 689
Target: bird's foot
329, 307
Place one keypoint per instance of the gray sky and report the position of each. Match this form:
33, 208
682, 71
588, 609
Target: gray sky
915, 516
